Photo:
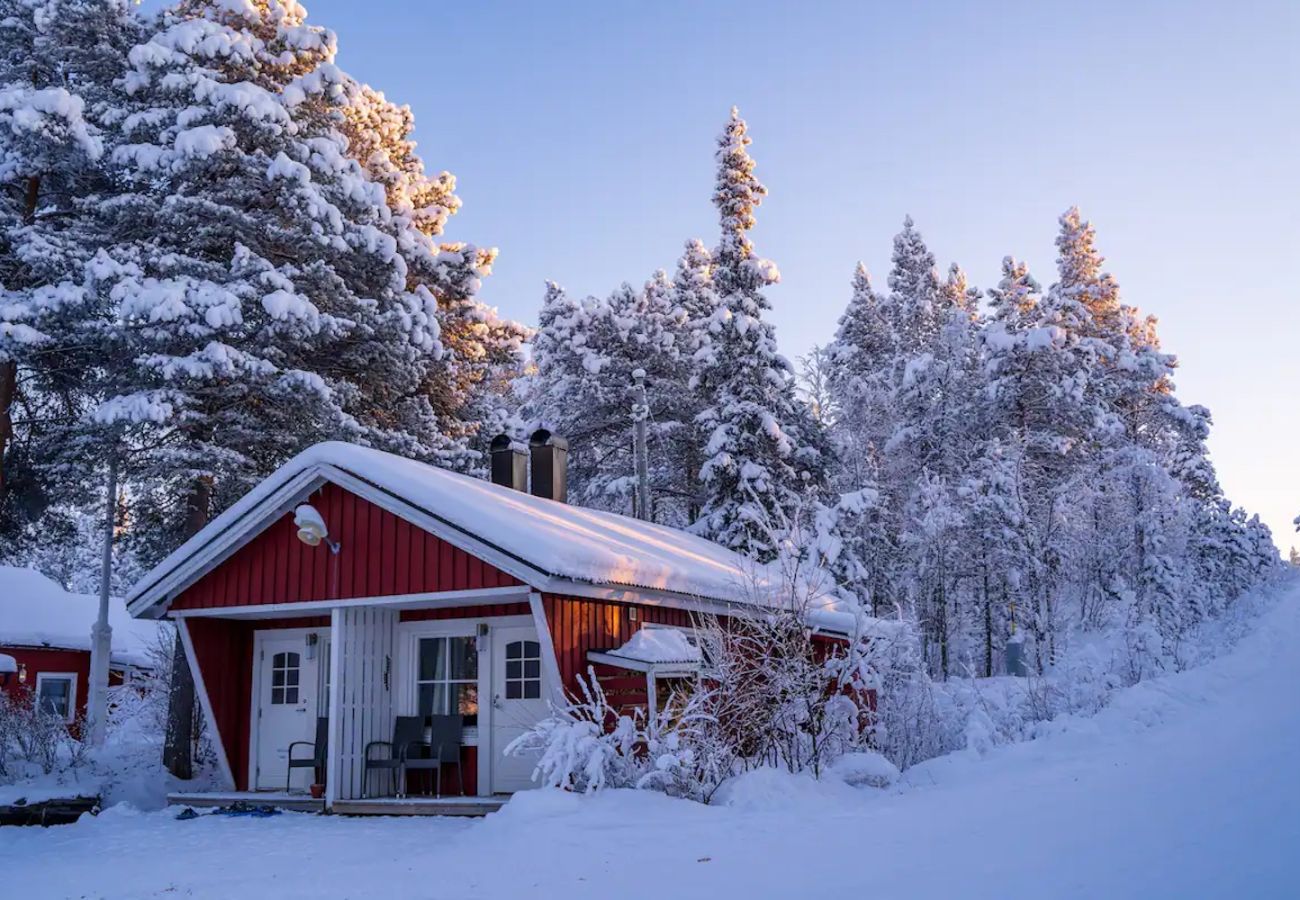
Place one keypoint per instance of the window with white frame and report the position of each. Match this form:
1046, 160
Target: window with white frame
285, 672
56, 693
523, 670
446, 677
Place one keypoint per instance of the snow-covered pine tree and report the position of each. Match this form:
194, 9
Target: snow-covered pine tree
695, 296
256, 268
586, 355
912, 306
1132, 376
58, 63
935, 407
464, 380
998, 549
763, 451
861, 365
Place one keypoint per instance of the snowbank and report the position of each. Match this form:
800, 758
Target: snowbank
36, 612
49, 787
1182, 787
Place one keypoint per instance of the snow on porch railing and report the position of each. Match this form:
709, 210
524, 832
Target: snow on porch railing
362, 703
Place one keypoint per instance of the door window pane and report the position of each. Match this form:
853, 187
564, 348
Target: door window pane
523, 670
284, 678
463, 656
432, 664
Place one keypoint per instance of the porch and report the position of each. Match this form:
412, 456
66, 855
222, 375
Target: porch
378, 806
337, 681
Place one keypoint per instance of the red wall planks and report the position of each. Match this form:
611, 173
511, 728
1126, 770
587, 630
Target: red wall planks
223, 649
579, 625
381, 555
466, 612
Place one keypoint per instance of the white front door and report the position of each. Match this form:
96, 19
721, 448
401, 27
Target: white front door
518, 702
287, 688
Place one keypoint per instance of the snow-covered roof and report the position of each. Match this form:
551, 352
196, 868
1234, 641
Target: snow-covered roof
7, 664
654, 648
37, 612
659, 644
542, 542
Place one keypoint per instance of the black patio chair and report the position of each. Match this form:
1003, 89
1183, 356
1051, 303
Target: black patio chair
443, 748
408, 736
316, 762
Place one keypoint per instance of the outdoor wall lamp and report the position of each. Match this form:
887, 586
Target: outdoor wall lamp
22, 673
311, 527
312, 640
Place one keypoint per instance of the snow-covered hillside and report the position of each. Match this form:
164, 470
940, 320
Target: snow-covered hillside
1184, 786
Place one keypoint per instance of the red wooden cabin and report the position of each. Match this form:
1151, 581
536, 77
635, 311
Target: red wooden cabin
426, 593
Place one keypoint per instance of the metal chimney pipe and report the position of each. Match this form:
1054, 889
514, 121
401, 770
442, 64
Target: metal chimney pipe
509, 463
550, 458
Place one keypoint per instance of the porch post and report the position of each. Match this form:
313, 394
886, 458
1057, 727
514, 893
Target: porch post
362, 657
652, 699
332, 767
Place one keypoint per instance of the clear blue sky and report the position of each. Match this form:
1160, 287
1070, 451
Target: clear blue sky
582, 138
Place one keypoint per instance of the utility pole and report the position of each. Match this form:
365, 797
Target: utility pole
641, 412
101, 633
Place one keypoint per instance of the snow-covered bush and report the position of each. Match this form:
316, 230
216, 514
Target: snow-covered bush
772, 691
35, 741
586, 744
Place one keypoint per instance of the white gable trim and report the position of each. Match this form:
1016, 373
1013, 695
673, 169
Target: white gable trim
243, 529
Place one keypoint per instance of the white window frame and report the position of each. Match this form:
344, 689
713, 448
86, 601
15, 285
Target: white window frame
524, 678
296, 668
70, 677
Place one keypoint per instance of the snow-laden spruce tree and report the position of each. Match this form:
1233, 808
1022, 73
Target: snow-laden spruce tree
587, 355
58, 63
465, 382
998, 552
257, 269
860, 363
912, 305
762, 449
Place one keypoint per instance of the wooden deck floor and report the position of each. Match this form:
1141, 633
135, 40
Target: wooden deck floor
420, 806
374, 806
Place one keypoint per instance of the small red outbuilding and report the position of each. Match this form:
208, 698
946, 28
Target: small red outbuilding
45, 633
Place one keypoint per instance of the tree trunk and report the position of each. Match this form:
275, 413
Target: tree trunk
9, 368
988, 625
8, 393
178, 745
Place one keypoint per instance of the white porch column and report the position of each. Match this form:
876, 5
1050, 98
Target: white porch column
363, 642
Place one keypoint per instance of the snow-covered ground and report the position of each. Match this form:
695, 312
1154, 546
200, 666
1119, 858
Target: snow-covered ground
1185, 786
